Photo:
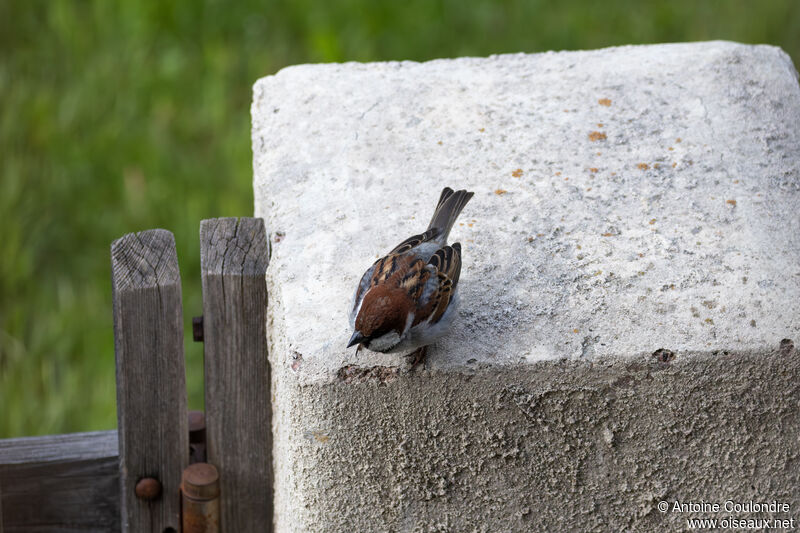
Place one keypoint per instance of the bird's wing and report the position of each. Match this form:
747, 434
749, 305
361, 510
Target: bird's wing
415, 240
447, 265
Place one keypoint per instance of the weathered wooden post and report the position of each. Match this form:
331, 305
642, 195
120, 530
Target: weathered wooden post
151, 383
234, 257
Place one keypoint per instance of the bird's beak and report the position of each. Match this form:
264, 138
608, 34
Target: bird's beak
357, 338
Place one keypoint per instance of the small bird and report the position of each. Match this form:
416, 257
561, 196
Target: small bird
407, 299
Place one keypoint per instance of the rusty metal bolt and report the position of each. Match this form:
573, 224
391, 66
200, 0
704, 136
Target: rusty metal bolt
197, 427
197, 328
197, 437
200, 499
148, 488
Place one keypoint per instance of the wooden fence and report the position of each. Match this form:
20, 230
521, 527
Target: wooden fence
130, 479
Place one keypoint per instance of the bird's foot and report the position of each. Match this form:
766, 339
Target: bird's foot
418, 357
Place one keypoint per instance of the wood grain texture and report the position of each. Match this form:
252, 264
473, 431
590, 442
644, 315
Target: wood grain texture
60, 483
234, 257
151, 384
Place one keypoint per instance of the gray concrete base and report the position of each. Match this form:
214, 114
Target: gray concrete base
555, 446
631, 266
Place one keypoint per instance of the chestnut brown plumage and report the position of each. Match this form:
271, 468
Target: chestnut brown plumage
407, 299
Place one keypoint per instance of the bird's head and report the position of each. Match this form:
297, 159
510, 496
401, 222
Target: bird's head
385, 316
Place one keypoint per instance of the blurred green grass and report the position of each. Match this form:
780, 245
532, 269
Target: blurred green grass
124, 116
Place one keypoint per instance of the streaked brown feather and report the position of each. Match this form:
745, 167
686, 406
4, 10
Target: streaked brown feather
414, 281
384, 269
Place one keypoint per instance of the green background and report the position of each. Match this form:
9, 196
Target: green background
124, 116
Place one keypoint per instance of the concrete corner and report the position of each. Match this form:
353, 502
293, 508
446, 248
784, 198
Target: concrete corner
630, 289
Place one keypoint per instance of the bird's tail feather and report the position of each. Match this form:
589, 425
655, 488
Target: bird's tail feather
447, 210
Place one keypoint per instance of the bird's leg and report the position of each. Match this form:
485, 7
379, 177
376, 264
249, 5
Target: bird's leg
419, 357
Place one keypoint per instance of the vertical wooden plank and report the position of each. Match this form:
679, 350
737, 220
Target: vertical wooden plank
234, 257
151, 383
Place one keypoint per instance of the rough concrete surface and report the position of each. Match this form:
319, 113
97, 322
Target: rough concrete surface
631, 267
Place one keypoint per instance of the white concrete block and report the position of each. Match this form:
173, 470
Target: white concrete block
628, 200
